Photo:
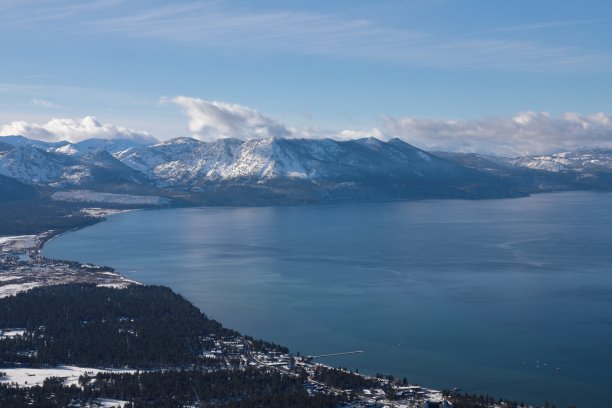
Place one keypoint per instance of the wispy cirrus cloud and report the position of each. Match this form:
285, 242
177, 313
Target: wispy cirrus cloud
43, 103
338, 36
537, 26
224, 26
80, 93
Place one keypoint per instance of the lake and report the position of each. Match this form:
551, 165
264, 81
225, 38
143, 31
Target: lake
507, 297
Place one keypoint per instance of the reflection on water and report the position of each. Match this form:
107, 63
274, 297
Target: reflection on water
509, 297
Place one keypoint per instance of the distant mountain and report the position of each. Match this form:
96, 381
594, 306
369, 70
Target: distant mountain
305, 170
278, 170
588, 169
29, 164
112, 146
584, 162
190, 163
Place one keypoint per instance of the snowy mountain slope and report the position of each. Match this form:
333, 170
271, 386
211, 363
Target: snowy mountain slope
562, 171
581, 162
597, 160
188, 162
111, 146
20, 141
32, 165
80, 148
278, 170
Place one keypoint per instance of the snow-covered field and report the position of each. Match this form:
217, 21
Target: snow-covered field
110, 403
8, 333
89, 196
13, 289
39, 277
101, 212
20, 275
29, 377
46, 272
18, 243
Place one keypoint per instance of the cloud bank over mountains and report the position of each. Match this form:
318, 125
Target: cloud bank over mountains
526, 133
211, 120
74, 130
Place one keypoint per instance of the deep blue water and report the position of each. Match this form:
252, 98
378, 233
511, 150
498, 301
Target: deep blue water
451, 293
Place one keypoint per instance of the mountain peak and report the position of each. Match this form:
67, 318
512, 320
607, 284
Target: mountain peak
179, 141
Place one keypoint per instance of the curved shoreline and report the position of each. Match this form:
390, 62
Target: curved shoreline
98, 219
410, 392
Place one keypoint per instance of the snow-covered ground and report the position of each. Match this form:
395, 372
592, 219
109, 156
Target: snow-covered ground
579, 162
101, 212
89, 196
18, 243
37, 277
14, 288
45, 272
29, 377
8, 333
18, 274
110, 403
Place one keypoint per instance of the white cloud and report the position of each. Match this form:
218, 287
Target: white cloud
349, 134
211, 120
43, 103
523, 134
73, 130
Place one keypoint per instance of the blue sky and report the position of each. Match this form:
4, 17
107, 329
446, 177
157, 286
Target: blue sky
492, 76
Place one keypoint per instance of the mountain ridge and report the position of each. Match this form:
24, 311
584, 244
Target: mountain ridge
286, 170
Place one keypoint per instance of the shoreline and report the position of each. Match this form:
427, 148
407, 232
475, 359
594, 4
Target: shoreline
98, 219
261, 360
18, 274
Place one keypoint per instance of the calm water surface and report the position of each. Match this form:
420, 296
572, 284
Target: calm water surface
468, 294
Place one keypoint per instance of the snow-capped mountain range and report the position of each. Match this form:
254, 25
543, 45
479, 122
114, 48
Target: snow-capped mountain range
190, 163
598, 160
305, 169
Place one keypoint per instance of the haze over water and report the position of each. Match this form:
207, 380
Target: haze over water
490, 296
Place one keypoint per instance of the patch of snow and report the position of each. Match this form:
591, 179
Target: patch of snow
67, 149
13, 289
29, 377
101, 212
8, 333
189, 163
110, 403
89, 196
118, 285
18, 242
424, 156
